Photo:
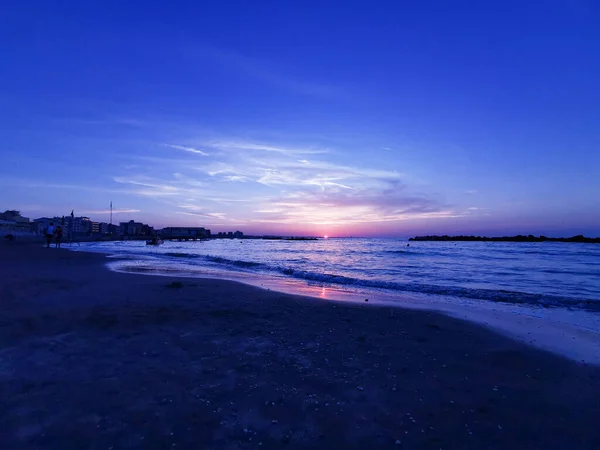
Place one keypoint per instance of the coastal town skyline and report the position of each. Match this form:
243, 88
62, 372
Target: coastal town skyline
393, 121
12, 222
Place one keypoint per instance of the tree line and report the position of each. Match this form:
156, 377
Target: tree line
519, 238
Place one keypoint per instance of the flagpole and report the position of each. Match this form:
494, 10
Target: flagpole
71, 227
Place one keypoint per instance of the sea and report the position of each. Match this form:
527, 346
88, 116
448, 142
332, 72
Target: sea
540, 275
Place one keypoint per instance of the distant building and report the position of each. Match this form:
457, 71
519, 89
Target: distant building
8, 227
113, 230
147, 230
130, 228
12, 215
133, 228
78, 225
229, 234
104, 228
184, 232
13, 223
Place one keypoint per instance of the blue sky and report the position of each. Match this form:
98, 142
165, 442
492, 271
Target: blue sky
339, 118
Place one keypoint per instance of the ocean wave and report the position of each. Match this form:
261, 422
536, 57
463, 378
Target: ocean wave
470, 271
214, 259
234, 262
505, 296
182, 255
590, 263
410, 253
479, 294
570, 272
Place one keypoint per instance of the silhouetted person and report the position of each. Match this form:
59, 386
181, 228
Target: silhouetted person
58, 234
49, 234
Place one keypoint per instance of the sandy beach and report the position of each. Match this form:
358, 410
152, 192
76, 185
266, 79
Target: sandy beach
93, 359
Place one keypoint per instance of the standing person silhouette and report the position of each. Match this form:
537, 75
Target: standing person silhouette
58, 234
49, 234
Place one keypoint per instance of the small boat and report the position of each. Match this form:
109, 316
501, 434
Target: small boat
154, 241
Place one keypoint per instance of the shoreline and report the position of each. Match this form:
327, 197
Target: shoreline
574, 334
96, 358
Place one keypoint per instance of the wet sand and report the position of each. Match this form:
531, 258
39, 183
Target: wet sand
95, 359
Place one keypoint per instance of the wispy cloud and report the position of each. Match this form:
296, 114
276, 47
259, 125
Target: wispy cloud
219, 216
267, 72
150, 187
187, 149
236, 178
471, 191
281, 185
284, 170
367, 205
242, 145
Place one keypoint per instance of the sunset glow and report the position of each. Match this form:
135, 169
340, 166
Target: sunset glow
289, 133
